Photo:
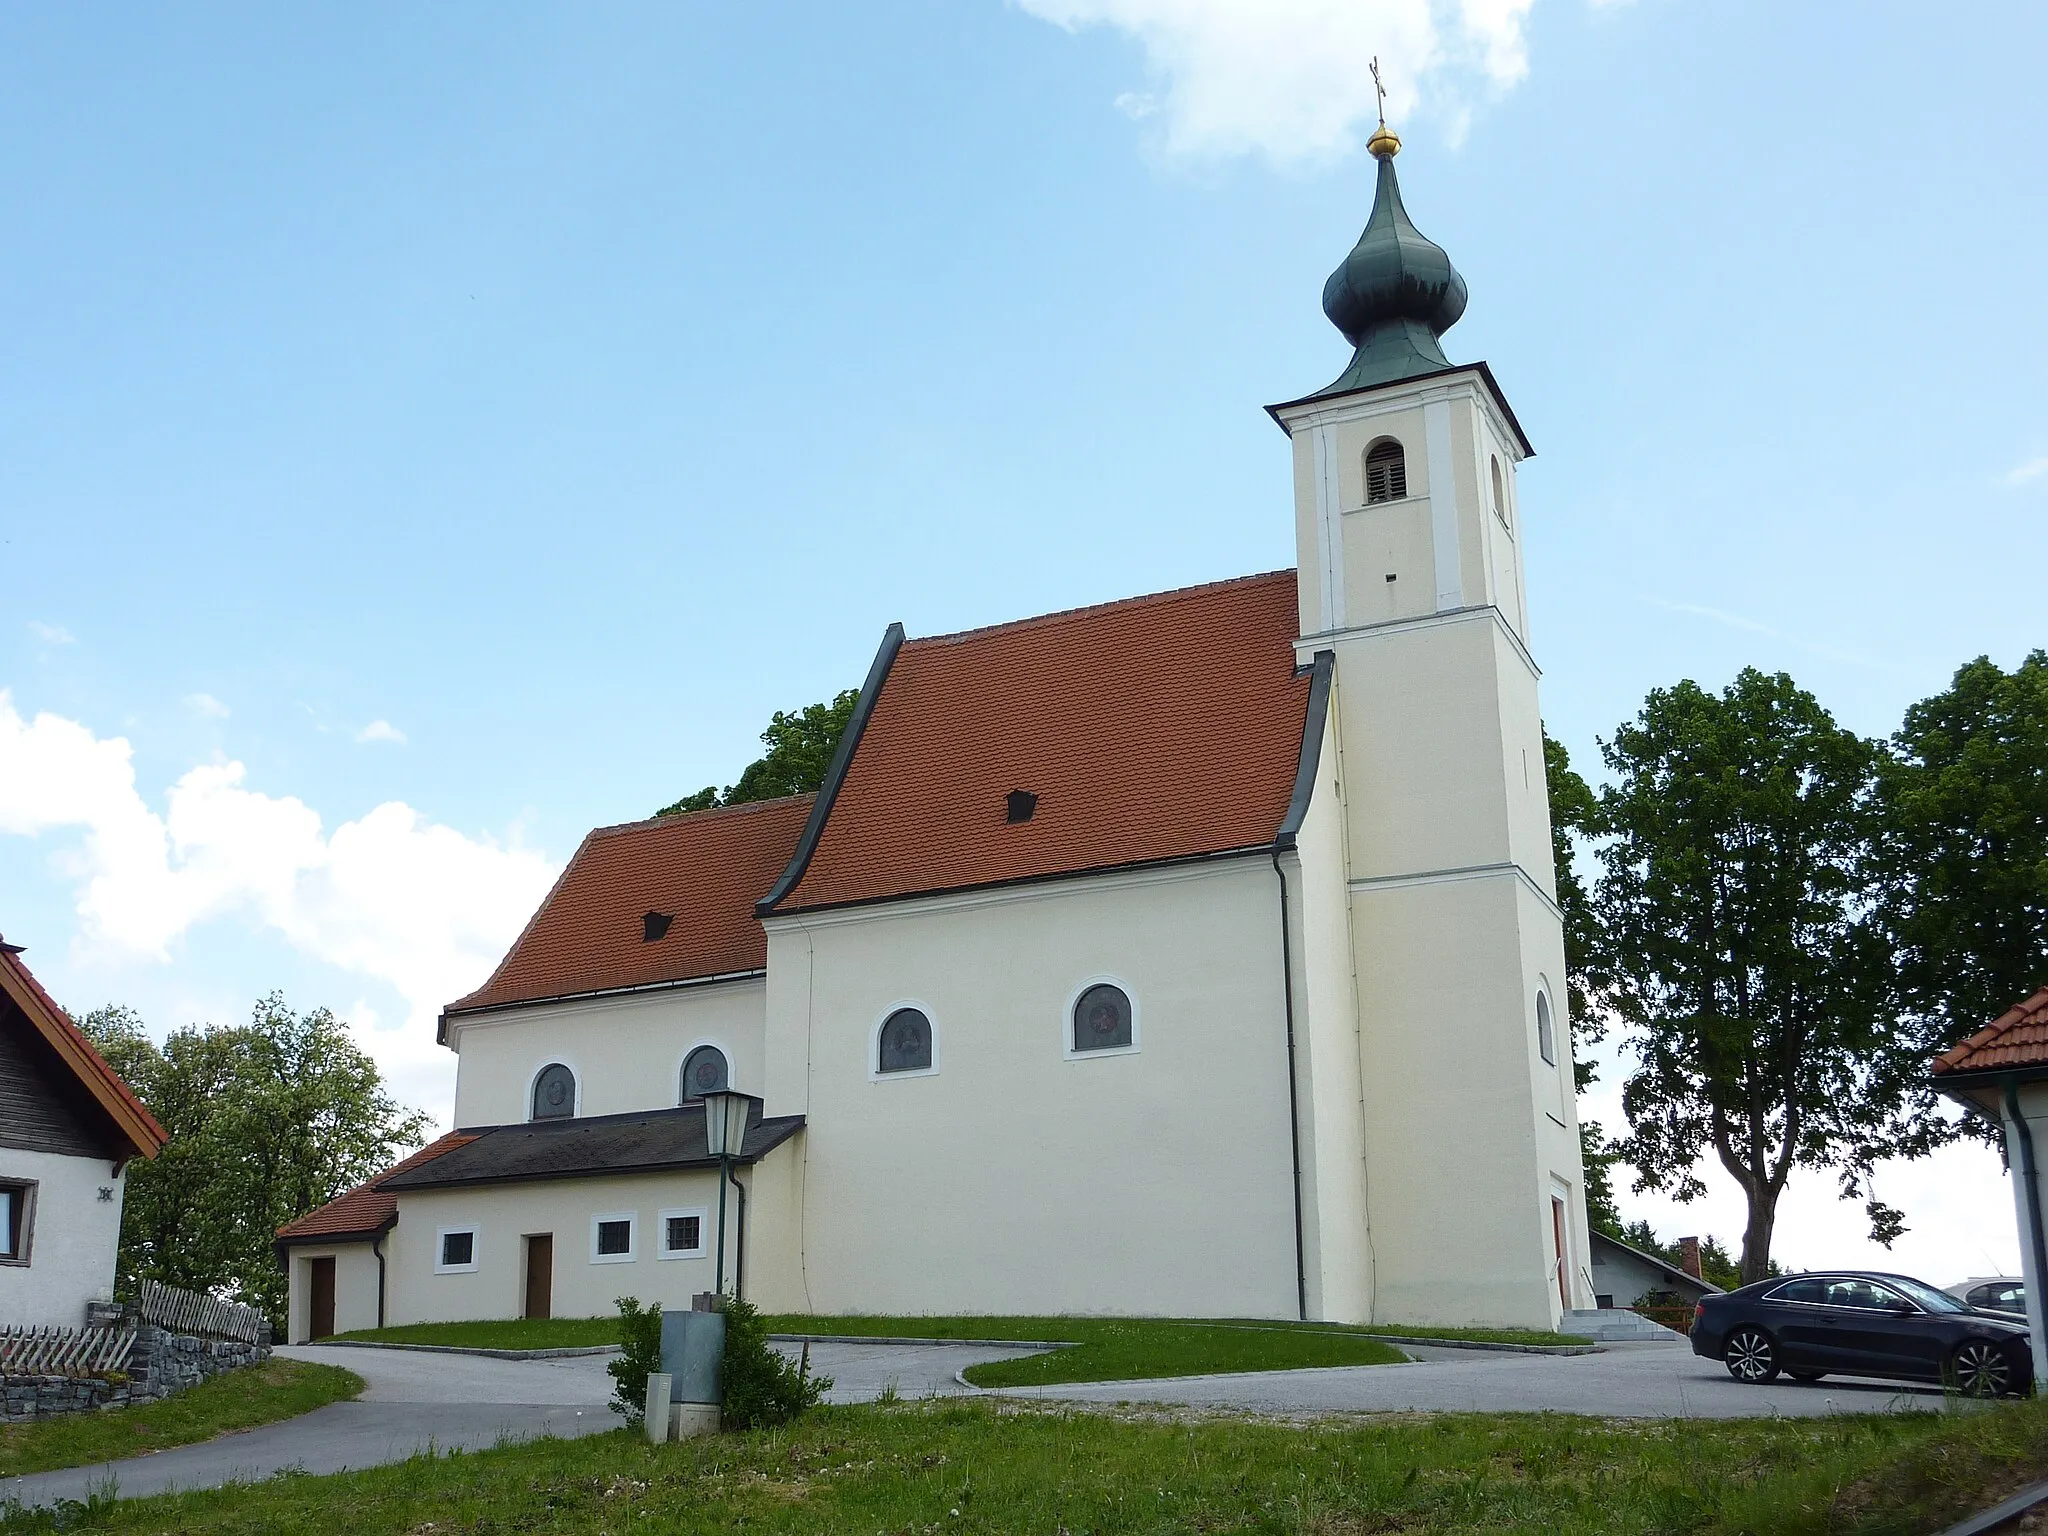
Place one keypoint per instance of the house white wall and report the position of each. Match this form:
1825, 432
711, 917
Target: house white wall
2033, 1104
627, 1052
505, 1214
1018, 1177
74, 1241
355, 1287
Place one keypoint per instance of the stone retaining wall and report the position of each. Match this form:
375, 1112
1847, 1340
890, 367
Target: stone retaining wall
161, 1365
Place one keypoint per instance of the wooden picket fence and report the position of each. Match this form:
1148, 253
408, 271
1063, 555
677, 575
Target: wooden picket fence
182, 1311
64, 1351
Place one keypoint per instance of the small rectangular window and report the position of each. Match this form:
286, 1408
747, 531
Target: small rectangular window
456, 1251
611, 1238
17, 1215
683, 1232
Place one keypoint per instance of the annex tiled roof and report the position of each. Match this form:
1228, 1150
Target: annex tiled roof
108, 1089
706, 870
2018, 1038
655, 1140
366, 1209
1155, 728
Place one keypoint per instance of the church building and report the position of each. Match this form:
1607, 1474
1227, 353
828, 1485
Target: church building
1192, 955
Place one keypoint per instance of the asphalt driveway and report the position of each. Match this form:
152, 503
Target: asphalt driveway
418, 1402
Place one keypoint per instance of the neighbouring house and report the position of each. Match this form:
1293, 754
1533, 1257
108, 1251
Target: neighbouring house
1196, 954
1624, 1276
2001, 1073
68, 1127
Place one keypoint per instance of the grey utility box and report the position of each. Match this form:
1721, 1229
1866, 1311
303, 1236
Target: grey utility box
692, 1349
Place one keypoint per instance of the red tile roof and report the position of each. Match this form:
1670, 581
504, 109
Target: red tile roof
2017, 1038
131, 1118
706, 870
1153, 728
365, 1210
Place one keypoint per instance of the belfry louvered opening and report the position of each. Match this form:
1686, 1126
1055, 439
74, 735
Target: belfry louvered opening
1386, 472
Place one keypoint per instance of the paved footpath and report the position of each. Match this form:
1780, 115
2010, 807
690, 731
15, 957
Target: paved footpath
1623, 1381
415, 1401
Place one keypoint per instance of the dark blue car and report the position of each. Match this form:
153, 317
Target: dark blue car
1863, 1324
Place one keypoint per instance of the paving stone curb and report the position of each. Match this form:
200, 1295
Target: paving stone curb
567, 1352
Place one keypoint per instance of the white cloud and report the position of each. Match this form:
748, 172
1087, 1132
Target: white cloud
206, 706
51, 634
381, 730
1289, 79
389, 896
2020, 474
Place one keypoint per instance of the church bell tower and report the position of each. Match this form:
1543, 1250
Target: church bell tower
1411, 543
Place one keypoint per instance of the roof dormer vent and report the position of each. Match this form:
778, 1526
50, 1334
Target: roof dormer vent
1019, 805
654, 925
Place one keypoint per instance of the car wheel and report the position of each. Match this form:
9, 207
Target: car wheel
1808, 1376
1751, 1356
1979, 1368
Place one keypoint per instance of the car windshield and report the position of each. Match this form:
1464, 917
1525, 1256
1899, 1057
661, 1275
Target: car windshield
1926, 1295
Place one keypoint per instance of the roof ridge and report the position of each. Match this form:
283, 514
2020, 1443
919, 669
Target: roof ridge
681, 817
1062, 615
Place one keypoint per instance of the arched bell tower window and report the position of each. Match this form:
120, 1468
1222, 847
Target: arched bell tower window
1500, 495
1546, 1032
1386, 472
554, 1093
704, 1071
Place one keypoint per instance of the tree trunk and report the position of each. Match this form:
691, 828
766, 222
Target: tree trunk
1756, 1237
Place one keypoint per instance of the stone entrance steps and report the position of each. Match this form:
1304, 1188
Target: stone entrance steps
1617, 1325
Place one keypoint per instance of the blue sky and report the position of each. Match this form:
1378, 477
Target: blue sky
428, 432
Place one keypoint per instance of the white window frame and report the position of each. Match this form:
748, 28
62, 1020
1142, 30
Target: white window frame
703, 1248
1067, 1047
575, 1096
23, 1190
441, 1236
1546, 1023
632, 1253
931, 1019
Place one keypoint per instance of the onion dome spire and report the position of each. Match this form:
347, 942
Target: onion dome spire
1396, 293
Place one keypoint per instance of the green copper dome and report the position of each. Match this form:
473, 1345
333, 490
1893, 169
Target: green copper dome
1395, 294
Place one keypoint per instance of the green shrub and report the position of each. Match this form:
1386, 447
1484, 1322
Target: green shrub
761, 1388
640, 1338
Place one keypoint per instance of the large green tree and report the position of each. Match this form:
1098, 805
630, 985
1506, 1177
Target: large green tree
800, 745
267, 1120
1964, 851
1739, 948
1574, 815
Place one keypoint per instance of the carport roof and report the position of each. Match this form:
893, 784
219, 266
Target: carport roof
653, 1141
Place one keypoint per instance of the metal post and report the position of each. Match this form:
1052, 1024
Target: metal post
724, 1172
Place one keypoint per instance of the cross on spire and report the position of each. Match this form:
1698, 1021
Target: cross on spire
1380, 88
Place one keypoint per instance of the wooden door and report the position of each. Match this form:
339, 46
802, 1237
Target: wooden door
322, 1277
1564, 1289
540, 1275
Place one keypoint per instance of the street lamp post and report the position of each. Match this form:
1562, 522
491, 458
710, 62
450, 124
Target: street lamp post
726, 1113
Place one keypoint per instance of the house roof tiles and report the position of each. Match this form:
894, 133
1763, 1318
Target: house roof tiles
1150, 729
2015, 1040
705, 869
365, 1210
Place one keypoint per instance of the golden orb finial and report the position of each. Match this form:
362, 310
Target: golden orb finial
1385, 144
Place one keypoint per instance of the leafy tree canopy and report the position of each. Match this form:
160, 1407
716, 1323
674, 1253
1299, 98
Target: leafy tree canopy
1964, 848
267, 1121
1738, 946
1574, 815
800, 745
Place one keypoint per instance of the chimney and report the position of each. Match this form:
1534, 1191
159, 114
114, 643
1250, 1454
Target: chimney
1689, 1256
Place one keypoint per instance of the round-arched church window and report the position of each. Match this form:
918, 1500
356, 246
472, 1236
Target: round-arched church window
704, 1071
554, 1093
1102, 1019
906, 1042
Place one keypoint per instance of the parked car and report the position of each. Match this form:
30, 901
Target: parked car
1862, 1324
2002, 1294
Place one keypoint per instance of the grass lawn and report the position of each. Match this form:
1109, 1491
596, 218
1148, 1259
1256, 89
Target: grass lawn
262, 1394
1106, 1349
973, 1467
504, 1333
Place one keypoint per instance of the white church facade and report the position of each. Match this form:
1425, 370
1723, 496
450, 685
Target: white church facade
1192, 955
